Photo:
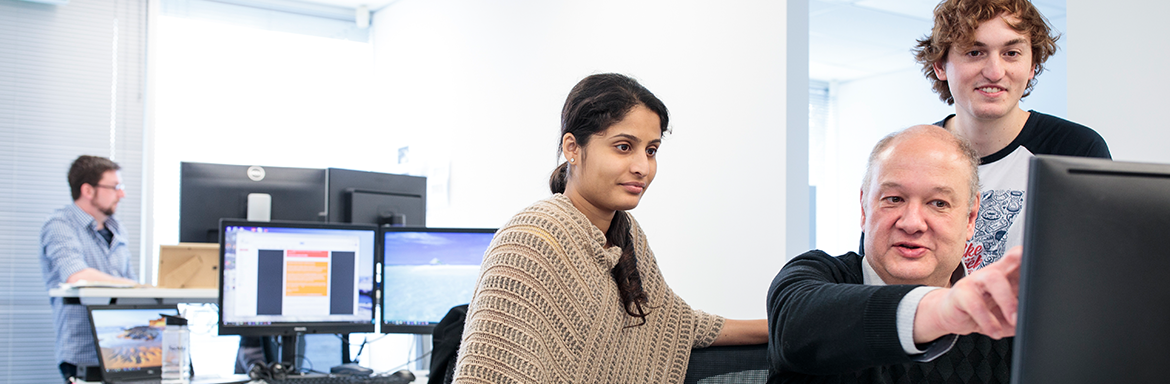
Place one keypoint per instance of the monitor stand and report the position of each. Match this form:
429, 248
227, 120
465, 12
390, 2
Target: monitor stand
290, 346
422, 347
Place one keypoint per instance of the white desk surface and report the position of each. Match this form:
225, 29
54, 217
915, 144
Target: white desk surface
98, 296
200, 380
235, 379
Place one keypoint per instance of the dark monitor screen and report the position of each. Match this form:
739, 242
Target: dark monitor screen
425, 272
291, 278
1094, 294
209, 192
376, 198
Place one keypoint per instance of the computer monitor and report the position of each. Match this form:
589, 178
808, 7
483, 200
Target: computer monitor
425, 272
286, 279
1094, 288
376, 198
209, 192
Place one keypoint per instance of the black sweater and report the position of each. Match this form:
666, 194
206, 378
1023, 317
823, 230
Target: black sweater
826, 326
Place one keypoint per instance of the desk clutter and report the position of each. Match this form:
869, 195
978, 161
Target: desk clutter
279, 373
340, 379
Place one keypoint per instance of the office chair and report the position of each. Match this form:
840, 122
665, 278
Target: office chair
713, 365
728, 364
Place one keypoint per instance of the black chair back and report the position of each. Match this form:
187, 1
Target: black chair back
728, 364
446, 338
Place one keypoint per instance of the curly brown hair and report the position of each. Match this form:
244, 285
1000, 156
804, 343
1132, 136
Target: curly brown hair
955, 22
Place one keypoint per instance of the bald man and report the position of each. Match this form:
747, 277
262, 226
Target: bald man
907, 310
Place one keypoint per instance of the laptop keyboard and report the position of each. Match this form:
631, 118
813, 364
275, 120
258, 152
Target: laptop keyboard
143, 381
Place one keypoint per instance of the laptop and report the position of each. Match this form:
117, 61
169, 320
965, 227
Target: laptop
129, 341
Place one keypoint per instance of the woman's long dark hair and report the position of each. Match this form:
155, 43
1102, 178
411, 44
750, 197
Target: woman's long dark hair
596, 103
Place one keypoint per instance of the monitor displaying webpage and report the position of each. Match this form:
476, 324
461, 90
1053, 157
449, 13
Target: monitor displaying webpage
275, 274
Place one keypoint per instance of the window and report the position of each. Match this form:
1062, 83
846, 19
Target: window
240, 85
71, 80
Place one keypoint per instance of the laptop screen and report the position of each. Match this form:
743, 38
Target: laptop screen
129, 339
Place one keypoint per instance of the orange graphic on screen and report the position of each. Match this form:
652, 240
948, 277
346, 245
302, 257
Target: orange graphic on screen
303, 253
307, 278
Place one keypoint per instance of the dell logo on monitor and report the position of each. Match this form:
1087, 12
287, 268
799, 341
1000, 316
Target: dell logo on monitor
256, 173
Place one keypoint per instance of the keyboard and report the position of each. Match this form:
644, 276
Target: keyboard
396, 378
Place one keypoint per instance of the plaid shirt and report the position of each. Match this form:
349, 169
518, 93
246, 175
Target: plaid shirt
70, 243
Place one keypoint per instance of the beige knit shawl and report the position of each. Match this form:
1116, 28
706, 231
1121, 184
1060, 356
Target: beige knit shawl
546, 309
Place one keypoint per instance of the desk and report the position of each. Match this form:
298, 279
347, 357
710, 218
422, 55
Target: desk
200, 380
235, 379
104, 296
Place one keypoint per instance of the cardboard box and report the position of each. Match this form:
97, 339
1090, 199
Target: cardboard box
188, 265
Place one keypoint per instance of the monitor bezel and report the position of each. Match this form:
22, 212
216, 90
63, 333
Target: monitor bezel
209, 192
341, 185
296, 328
385, 327
1089, 223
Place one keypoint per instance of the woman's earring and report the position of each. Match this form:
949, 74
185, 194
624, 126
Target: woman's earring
572, 160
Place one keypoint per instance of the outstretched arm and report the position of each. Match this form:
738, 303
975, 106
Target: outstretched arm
94, 275
742, 332
823, 321
984, 302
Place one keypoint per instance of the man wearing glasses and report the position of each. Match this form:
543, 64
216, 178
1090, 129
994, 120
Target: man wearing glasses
84, 242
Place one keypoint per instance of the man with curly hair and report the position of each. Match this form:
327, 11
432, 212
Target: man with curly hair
983, 56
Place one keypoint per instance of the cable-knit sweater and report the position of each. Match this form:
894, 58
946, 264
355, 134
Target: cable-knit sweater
546, 309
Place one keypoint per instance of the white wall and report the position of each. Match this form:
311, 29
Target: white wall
867, 110
1117, 76
482, 83
1050, 94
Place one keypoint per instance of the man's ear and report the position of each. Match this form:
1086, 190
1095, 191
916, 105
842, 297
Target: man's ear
940, 70
972, 216
569, 147
88, 191
862, 210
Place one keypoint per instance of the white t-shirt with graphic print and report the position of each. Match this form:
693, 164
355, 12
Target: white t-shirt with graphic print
1003, 179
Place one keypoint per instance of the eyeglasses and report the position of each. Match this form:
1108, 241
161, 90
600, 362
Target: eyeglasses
118, 187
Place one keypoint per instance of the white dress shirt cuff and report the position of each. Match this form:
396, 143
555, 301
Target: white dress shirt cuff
907, 308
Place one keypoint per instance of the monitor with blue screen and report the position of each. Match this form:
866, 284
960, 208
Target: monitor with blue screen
426, 271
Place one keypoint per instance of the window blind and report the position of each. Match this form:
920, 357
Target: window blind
71, 83
274, 15
820, 108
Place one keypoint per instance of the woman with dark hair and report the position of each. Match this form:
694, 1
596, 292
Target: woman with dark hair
569, 290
